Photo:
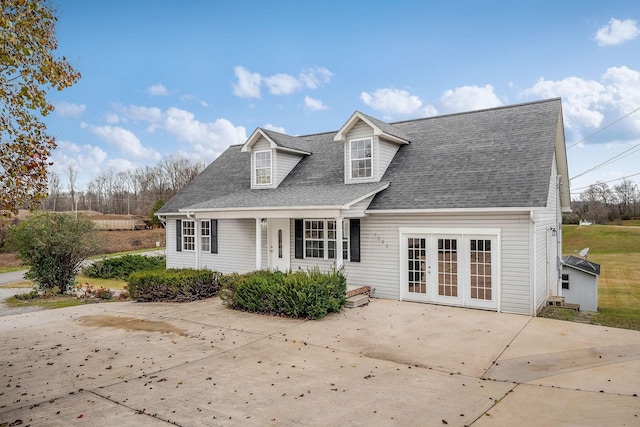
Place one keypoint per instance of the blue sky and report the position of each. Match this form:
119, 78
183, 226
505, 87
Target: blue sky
193, 77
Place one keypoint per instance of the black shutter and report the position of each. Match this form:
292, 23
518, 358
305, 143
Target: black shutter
179, 235
299, 239
214, 236
354, 235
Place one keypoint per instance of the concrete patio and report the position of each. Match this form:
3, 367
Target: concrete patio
389, 363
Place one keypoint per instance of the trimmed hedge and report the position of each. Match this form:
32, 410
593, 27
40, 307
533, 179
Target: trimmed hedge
312, 294
177, 285
122, 266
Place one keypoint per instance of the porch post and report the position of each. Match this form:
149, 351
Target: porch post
339, 260
258, 243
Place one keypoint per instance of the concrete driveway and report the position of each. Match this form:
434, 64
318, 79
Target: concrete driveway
390, 363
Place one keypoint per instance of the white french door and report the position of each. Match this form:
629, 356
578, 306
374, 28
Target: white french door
454, 269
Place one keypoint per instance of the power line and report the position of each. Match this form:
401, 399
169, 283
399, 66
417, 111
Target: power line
606, 182
600, 130
609, 161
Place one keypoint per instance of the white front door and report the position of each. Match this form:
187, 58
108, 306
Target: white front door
279, 244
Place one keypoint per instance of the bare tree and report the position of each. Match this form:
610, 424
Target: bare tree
55, 188
72, 175
626, 193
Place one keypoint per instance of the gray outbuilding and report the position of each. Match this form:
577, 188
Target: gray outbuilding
580, 282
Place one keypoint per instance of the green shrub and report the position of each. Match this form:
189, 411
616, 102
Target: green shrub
177, 285
312, 294
33, 294
121, 267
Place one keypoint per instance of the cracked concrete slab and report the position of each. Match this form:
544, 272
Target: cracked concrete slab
200, 363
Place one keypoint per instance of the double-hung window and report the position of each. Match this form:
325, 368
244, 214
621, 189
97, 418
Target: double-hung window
205, 235
262, 161
314, 238
320, 239
361, 151
188, 235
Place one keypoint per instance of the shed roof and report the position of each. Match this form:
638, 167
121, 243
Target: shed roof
581, 264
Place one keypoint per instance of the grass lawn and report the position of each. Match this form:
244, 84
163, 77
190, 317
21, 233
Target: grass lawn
50, 302
617, 250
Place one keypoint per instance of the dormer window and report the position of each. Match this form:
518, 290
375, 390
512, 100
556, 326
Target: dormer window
262, 163
361, 155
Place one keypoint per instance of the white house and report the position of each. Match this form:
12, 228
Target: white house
462, 209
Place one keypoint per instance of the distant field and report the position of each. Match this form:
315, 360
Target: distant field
617, 250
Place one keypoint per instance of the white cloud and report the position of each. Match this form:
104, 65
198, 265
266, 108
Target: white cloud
157, 90
86, 159
315, 77
67, 109
314, 104
274, 128
207, 138
469, 98
112, 118
126, 141
139, 113
248, 85
392, 102
282, 84
594, 103
617, 32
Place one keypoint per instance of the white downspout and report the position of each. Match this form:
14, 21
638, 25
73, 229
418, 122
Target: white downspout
532, 262
339, 260
258, 244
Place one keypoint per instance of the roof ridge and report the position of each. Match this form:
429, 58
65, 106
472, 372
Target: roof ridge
500, 107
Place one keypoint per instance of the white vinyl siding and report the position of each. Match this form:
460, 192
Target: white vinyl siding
386, 152
283, 164
547, 260
236, 247
380, 253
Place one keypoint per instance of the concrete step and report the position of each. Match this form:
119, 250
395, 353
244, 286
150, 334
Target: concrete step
357, 301
555, 301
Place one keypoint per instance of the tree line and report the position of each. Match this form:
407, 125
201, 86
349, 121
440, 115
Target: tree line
134, 191
601, 203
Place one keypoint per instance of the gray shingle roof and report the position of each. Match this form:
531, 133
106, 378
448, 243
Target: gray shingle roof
500, 157
387, 128
582, 264
287, 141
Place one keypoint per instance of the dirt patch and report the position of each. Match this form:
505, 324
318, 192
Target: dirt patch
130, 324
10, 259
131, 240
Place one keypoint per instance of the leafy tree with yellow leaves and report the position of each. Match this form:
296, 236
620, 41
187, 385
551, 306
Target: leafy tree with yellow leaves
28, 69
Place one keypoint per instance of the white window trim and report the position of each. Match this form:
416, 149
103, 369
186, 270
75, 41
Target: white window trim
184, 235
345, 237
351, 159
255, 168
203, 236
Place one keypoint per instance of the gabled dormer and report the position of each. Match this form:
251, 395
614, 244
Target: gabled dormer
273, 156
370, 145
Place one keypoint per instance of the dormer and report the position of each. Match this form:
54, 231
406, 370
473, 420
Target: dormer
273, 156
369, 147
